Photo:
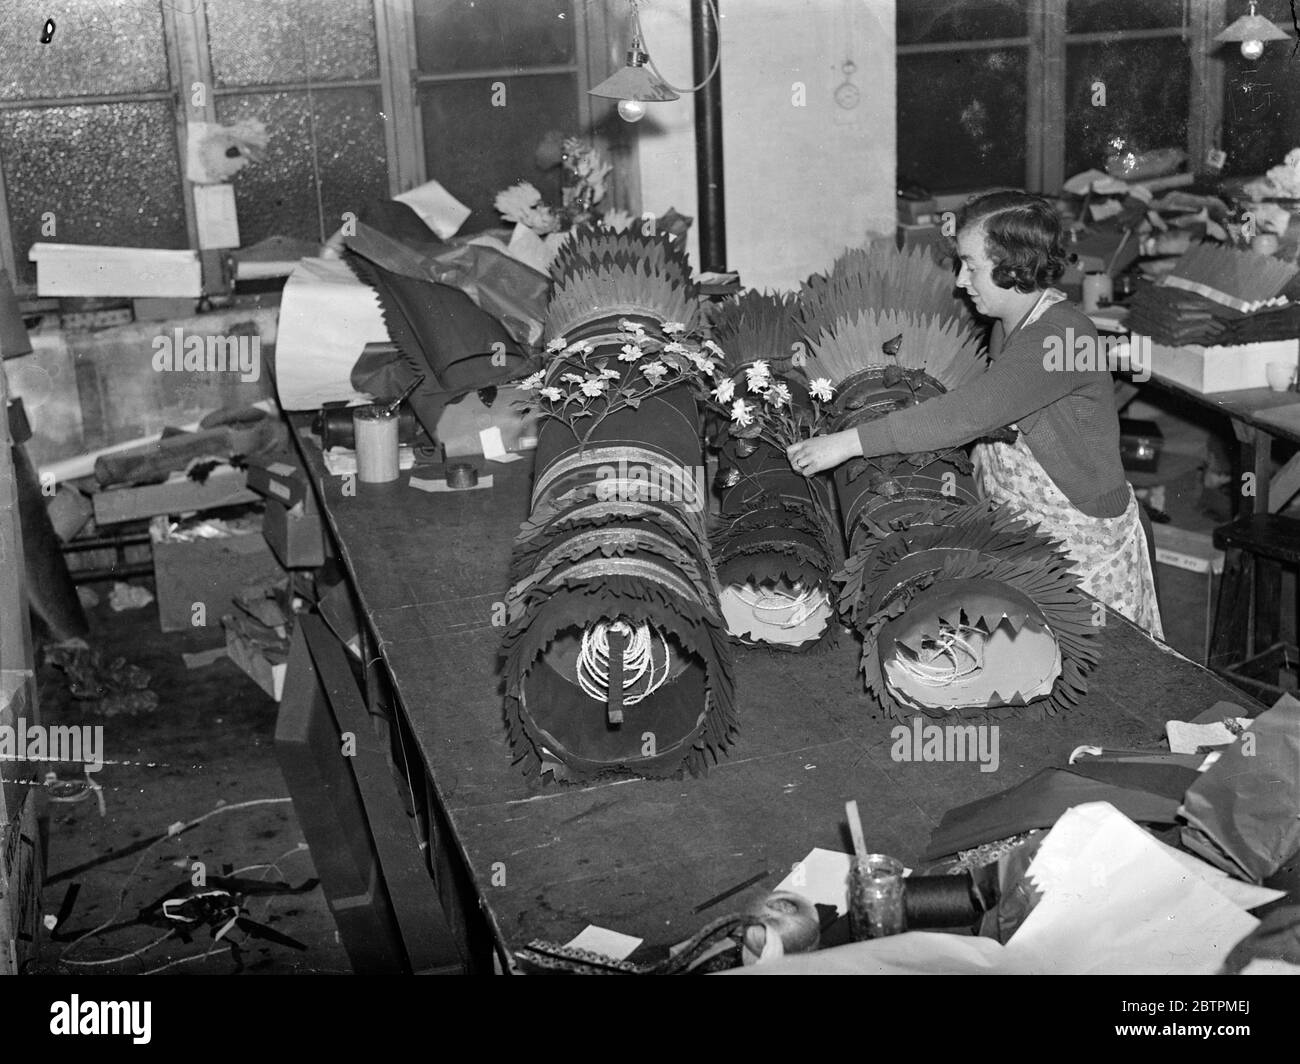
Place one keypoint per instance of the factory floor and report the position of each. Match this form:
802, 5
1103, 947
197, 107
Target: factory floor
208, 747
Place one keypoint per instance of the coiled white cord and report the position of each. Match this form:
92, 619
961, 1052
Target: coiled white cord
638, 661
948, 647
807, 602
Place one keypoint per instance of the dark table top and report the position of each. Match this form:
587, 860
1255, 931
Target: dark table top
635, 855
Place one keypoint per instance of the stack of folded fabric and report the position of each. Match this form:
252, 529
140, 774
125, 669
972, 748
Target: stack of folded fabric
616, 656
776, 543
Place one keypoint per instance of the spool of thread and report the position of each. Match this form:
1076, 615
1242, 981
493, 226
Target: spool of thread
783, 923
461, 475
334, 427
941, 901
376, 440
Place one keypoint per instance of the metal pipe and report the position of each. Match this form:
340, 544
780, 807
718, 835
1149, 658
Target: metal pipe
708, 138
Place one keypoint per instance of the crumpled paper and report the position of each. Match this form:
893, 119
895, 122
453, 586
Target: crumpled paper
1242, 813
216, 153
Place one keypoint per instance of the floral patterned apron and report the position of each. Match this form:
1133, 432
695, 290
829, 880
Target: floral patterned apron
1110, 553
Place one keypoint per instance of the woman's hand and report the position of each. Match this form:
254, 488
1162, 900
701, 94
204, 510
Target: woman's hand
824, 452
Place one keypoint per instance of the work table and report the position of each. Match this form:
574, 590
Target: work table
638, 856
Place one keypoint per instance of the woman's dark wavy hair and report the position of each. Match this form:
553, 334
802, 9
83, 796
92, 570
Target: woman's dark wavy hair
1023, 237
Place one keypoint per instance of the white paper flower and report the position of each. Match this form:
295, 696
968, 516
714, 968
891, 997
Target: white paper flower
676, 348
672, 328
714, 348
595, 386
725, 390
627, 325
778, 395
610, 374
704, 365
821, 389
580, 347
740, 413
558, 344
533, 381
655, 371
572, 378
629, 353
757, 376
553, 394
522, 204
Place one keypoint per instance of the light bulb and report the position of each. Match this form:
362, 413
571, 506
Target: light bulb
1252, 49
632, 110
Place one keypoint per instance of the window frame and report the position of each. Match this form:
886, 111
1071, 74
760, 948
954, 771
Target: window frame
599, 50
1047, 42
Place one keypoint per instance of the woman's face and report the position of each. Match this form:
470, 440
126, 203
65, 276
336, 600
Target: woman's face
976, 274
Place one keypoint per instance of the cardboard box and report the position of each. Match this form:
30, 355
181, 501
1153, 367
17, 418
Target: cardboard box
295, 533
260, 653
1189, 558
1220, 369
210, 572
282, 481
180, 495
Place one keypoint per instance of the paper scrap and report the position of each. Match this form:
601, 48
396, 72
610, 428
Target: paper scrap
1097, 869
439, 484
607, 943
342, 461
214, 216
494, 447
1185, 738
438, 209
203, 657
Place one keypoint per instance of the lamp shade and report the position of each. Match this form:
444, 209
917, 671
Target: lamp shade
13, 335
634, 82
1253, 27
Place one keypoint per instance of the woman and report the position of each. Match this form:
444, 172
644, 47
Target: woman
1063, 472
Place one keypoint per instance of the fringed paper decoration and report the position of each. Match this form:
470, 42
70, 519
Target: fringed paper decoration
879, 362
963, 610
616, 658
970, 612
776, 542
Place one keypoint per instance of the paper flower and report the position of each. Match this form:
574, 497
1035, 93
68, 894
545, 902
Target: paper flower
725, 390
572, 378
778, 395
553, 394
655, 371
672, 328
740, 413
594, 386
531, 382
558, 344
610, 374
630, 353
757, 376
821, 389
581, 347
522, 204
676, 348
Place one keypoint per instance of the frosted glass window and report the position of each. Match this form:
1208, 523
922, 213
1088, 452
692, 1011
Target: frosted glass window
108, 173
98, 49
341, 137
275, 42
